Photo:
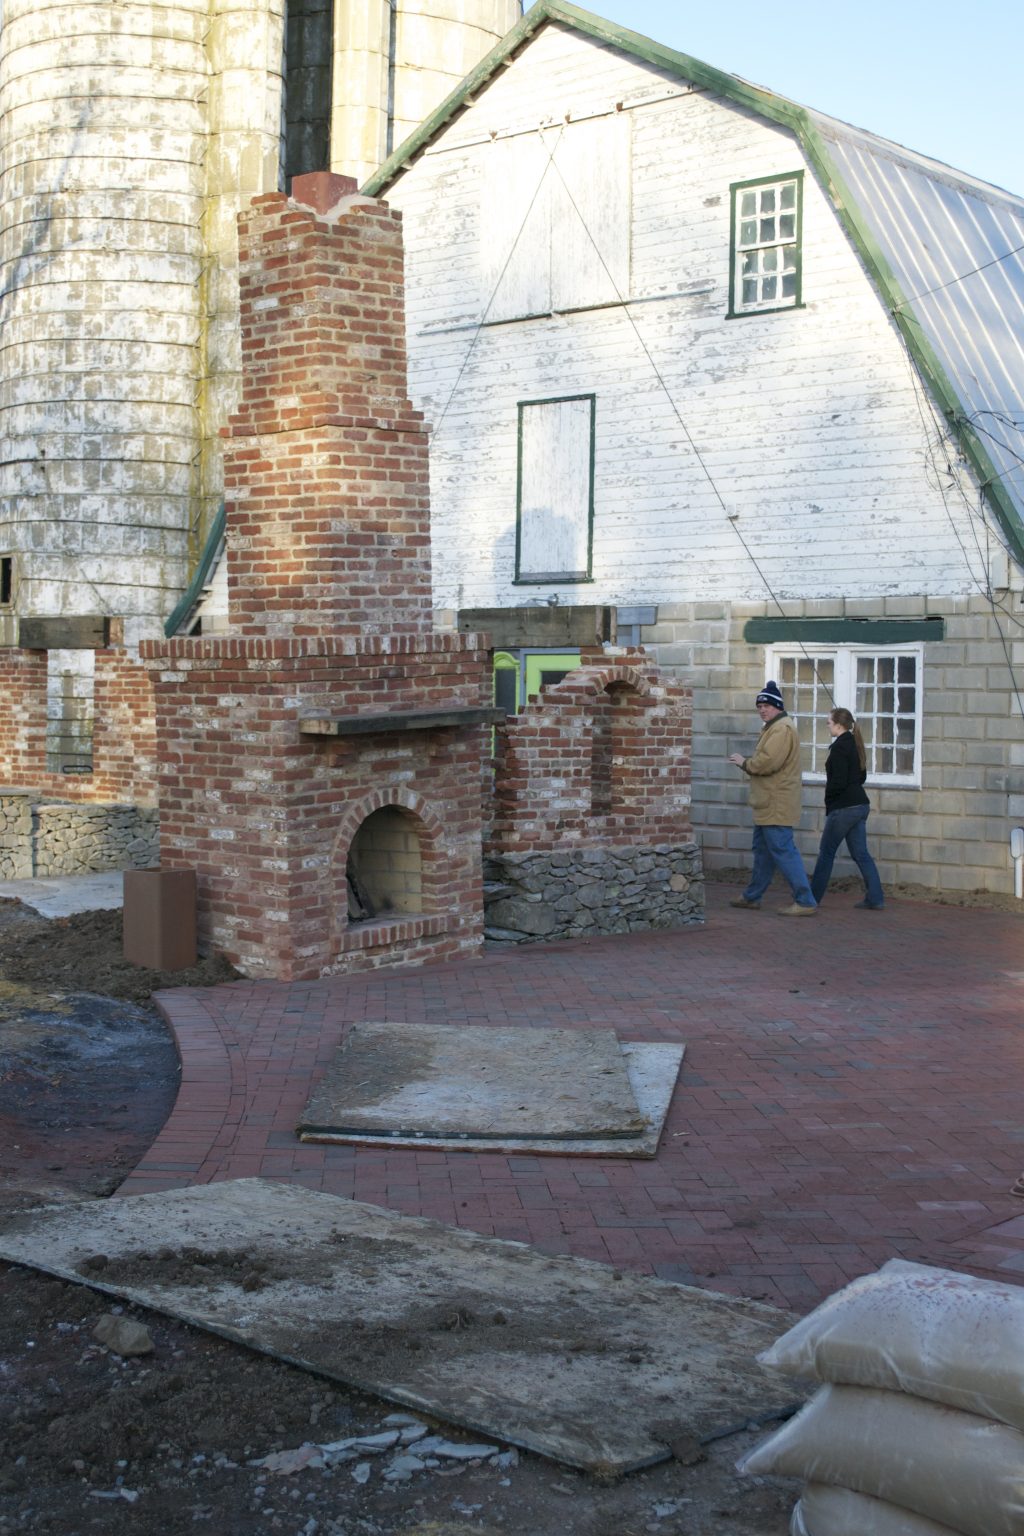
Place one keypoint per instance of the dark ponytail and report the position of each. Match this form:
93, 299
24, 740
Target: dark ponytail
845, 719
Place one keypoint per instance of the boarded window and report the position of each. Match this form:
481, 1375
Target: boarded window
554, 225
70, 680
555, 500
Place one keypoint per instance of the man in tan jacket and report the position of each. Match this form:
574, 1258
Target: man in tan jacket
774, 773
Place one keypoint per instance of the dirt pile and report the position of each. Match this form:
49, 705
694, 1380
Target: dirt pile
84, 953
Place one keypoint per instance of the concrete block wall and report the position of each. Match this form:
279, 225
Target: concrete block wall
951, 833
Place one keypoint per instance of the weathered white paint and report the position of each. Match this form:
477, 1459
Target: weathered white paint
556, 235
554, 489
808, 427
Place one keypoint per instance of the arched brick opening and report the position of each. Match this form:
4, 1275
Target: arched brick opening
616, 736
392, 842
384, 867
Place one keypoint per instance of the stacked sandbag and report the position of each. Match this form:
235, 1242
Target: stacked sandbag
919, 1428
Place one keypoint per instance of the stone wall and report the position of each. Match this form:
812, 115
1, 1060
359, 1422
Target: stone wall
15, 837
45, 837
585, 892
949, 833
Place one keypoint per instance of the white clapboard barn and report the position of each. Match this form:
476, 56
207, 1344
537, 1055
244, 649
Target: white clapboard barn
754, 379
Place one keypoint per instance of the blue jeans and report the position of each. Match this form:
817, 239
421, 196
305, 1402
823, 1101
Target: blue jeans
850, 826
774, 848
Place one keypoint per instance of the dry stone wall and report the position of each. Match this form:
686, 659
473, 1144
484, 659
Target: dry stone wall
582, 893
44, 838
15, 837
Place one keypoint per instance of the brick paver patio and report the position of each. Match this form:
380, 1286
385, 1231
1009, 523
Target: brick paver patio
851, 1092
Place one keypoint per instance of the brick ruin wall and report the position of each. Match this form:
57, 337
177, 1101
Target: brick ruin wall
590, 830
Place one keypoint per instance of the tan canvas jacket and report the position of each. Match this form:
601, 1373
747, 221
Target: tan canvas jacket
774, 773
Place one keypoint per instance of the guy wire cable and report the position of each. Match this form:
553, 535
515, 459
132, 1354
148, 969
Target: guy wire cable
731, 518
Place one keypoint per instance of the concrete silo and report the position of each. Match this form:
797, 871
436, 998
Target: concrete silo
130, 135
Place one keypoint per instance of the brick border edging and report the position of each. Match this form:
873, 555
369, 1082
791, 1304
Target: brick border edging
210, 1097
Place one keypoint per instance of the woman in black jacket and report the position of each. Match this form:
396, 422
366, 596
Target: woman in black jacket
846, 811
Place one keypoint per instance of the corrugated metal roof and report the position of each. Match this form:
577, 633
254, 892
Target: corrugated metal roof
955, 248
941, 246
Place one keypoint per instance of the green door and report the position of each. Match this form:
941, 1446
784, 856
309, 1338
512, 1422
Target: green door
540, 667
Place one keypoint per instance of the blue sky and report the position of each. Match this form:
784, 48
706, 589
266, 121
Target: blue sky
942, 78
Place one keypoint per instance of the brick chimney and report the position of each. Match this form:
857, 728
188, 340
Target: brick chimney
326, 468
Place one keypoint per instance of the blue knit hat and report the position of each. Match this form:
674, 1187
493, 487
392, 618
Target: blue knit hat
770, 694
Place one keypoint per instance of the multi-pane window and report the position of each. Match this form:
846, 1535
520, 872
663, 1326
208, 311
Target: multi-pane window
766, 219
881, 689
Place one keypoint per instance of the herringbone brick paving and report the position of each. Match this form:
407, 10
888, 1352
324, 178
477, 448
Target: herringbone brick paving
851, 1092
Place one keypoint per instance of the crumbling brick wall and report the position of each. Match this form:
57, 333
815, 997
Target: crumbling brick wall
123, 742
600, 758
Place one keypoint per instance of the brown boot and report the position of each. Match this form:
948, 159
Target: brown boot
796, 910
747, 906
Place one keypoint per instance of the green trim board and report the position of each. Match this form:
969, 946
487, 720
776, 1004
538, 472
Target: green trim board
560, 443
202, 570
777, 109
876, 632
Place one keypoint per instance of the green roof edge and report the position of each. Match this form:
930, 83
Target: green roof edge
202, 570
765, 102
920, 348
779, 110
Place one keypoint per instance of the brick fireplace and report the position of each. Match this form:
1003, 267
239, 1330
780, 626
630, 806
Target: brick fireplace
320, 764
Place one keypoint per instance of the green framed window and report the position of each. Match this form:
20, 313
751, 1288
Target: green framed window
765, 257
555, 490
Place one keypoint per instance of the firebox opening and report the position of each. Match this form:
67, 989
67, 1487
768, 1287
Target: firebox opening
384, 871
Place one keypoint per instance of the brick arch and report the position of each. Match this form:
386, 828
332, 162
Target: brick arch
623, 677
380, 800
615, 711
593, 680
429, 830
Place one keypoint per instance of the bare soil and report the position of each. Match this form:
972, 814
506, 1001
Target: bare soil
163, 1443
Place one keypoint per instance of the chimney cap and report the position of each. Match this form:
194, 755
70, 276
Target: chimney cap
322, 190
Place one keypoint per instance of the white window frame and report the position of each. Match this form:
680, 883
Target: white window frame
844, 690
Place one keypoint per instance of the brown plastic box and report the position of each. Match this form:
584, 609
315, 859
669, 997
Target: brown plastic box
160, 918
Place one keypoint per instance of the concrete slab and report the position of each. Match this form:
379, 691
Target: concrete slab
442, 1080
652, 1069
581, 1363
61, 895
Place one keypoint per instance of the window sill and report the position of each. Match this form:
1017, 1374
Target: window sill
751, 314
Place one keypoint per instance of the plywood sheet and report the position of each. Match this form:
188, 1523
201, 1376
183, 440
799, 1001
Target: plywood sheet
446, 1080
653, 1069
584, 1364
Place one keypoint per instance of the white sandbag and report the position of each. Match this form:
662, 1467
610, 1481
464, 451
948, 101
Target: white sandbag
952, 1467
934, 1333
825, 1511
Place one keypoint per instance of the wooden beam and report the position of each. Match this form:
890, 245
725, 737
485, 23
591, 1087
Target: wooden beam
412, 720
554, 628
87, 633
